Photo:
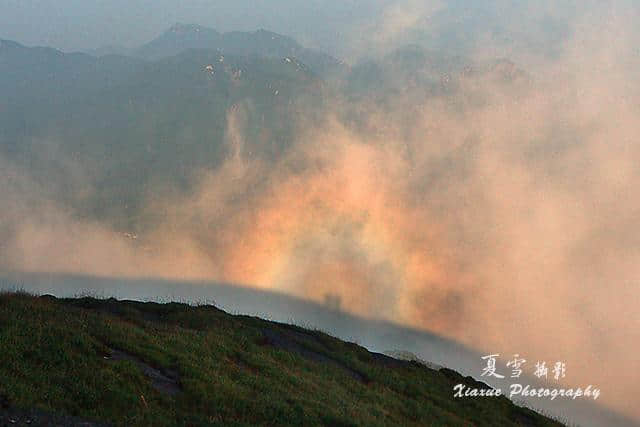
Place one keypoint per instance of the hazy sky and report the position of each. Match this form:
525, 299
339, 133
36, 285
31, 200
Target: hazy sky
344, 28
82, 24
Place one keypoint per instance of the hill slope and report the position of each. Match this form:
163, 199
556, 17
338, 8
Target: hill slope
132, 363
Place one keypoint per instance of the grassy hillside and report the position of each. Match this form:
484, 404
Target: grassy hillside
133, 363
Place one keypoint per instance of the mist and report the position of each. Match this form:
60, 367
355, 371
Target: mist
499, 213
348, 29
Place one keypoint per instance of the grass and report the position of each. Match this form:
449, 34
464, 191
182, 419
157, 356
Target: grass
56, 356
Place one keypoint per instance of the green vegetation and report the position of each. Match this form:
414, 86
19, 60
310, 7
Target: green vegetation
133, 363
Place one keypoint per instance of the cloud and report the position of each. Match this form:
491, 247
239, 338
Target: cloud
500, 213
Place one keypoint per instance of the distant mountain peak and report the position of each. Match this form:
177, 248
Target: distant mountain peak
179, 27
181, 37
263, 32
180, 30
